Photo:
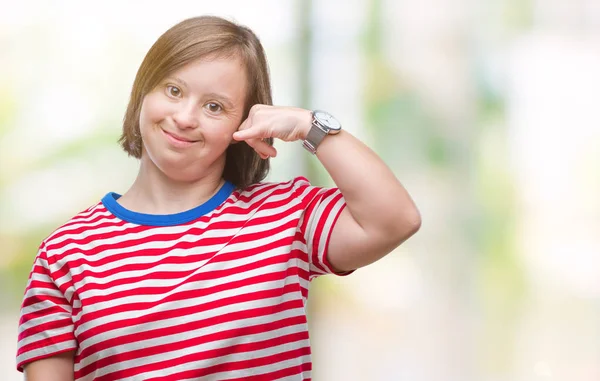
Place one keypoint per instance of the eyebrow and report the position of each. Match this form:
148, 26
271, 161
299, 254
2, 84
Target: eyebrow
179, 81
224, 99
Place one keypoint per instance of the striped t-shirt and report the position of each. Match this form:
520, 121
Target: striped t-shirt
218, 292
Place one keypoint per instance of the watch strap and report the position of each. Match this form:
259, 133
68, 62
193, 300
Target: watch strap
314, 138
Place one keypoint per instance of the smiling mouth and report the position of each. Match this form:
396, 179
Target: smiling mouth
178, 138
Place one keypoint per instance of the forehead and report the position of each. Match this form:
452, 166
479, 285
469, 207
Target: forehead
214, 74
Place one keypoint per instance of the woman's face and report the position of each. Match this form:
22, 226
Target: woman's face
188, 120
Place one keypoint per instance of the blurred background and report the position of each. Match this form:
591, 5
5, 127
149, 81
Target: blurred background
487, 111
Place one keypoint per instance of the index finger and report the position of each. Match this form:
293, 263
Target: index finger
248, 133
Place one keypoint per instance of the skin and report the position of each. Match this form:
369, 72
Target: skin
55, 368
203, 103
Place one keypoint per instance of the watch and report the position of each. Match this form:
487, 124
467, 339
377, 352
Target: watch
323, 124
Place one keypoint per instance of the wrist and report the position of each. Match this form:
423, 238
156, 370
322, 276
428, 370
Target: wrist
306, 123
321, 125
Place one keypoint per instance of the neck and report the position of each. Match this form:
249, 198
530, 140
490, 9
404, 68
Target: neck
154, 193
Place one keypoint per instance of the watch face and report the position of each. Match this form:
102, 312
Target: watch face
327, 120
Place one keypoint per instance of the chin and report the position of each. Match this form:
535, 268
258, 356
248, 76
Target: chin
180, 172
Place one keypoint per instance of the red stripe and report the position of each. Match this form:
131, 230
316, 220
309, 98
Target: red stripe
169, 314
188, 343
22, 363
201, 277
40, 297
134, 229
253, 194
97, 216
203, 323
62, 308
221, 367
45, 342
158, 237
297, 369
190, 259
318, 231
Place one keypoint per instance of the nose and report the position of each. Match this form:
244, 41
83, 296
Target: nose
186, 116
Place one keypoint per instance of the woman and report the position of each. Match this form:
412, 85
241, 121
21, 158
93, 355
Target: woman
200, 270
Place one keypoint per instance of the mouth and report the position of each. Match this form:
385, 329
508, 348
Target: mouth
177, 140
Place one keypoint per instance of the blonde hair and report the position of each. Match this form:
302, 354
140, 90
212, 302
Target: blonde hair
188, 41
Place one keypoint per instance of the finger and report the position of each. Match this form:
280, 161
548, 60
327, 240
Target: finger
254, 109
249, 133
267, 149
245, 125
262, 148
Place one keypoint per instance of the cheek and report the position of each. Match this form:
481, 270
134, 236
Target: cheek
218, 131
217, 140
226, 135
151, 112
144, 117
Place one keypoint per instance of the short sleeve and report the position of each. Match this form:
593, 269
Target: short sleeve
323, 207
46, 324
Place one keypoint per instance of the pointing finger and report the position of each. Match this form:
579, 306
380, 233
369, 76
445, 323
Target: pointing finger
248, 133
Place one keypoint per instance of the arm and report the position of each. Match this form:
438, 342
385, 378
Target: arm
379, 215
47, 342
55, 368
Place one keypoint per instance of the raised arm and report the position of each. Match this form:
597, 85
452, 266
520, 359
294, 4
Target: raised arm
379, 215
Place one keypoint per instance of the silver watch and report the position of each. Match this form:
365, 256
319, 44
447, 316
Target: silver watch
323, 124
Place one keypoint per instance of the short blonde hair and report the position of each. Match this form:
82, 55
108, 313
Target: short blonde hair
188, 41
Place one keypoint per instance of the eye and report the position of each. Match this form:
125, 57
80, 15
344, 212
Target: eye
173, 91
213, 107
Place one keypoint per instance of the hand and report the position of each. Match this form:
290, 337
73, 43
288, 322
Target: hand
284, 123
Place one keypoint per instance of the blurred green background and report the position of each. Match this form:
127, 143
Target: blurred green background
487, 112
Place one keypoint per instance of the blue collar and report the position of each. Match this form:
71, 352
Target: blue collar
110, 202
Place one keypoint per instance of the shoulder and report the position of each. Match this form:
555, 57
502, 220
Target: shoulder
88, 219
297, 192
263, 190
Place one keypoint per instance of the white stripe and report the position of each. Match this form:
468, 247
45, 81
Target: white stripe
303, 376
224, 376
150, 282
178, 304
311, 228
43, 305
83, 219
45, 334
191, 238
233, 357
174, 338
42, 320
206, 265
241, 246
76, 223
137, 259
178, 229
223, 217
45, 351
119, 238
255, 228
327, 228
43, 278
